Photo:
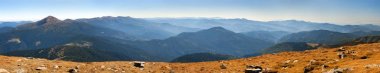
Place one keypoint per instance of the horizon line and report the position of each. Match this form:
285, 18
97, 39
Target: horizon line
35, 19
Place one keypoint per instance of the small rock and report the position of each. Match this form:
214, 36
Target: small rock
287, 61
268, 70
341, 55
223, 66
73, 71
364, 57
253, 69
312, 61
323, 67
295, 61
3, 70
57, 66
139, 64
341, 49
336, 60
308, 69
41, 68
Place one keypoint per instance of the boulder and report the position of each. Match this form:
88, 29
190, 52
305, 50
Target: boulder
73, 71
139, 64
253, 69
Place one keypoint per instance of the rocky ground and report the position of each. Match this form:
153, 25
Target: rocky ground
364, 58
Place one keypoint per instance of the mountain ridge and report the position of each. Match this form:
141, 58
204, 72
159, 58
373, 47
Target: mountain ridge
53, 34
216, 40
318, 60
318, 36
245, 25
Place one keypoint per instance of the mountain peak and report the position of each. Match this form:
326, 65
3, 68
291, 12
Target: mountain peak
48, 20
210, 31
51, 19
217, 28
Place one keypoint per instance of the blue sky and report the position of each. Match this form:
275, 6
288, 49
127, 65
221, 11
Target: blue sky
332, 11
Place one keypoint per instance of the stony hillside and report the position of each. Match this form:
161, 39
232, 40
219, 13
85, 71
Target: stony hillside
363, 58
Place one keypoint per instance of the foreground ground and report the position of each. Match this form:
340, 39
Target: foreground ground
364, 58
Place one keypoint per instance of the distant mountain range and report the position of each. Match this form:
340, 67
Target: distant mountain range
50, 34
318, 36
325, 36
244, 25
214, 40
139, 28
13, 24
270, 36
169, 39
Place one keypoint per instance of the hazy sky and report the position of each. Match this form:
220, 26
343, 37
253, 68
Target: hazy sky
332, 11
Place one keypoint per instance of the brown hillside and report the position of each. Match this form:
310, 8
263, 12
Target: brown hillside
364, 58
